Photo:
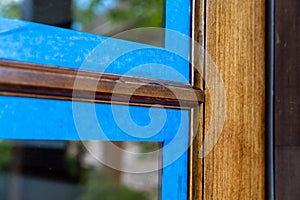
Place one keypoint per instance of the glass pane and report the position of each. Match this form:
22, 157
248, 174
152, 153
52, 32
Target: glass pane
73, 170
103, 17
59, 47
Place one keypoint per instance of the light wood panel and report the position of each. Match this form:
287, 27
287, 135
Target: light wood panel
235, 32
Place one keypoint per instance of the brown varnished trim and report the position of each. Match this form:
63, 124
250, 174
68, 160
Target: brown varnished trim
197, 114
41, 81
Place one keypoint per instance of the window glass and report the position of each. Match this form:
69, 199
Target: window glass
103, 17
66, 170
43, 119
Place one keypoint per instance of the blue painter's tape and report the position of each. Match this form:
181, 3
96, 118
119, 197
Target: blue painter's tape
40, 119
38, 43
44, 119
175, 181
175, 176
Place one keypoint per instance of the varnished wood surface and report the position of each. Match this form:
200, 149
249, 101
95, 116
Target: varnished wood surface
196, 162
27, 79
287, 174
287, 101
235, 32
287, 72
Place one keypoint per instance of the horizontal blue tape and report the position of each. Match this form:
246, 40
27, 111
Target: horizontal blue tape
41, 119
45, 119
43, 44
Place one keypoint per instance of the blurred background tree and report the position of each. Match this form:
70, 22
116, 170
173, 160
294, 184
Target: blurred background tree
10, 8
139, 13
88, 14
102, 186
108, 17
5, 155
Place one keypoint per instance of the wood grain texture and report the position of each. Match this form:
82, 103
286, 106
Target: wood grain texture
235, 32
196, 173
26, 79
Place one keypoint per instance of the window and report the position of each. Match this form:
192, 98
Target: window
66, 86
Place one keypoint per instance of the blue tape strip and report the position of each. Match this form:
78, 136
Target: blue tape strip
25, 118
175, 176
44, 119
38, 43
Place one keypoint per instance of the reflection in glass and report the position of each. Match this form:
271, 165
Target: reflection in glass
34, 170
103, 17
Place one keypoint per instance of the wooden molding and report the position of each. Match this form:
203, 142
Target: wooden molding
40, 81
197, 114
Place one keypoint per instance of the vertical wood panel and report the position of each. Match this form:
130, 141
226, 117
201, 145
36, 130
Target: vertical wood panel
234, 169
287, 72
287, 174
287, 101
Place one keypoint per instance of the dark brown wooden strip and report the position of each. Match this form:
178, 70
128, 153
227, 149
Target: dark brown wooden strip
287, 174
197, 115
287, 72
34, 80
287, 101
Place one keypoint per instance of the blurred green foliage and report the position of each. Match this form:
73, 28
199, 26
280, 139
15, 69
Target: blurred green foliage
139, 13
147, 147
104, 187
85, 16
10, 9
133, 13
5, 155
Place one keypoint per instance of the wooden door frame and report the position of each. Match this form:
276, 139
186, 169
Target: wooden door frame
233, 33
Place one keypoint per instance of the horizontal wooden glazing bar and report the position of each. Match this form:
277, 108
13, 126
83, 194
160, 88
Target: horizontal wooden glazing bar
41, 81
